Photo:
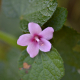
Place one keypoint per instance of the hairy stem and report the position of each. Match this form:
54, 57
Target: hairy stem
9, 39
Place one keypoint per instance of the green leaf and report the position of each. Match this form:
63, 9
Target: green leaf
38, 11
45, 66
9, 25
71, 73
8, 67
66, 42
24, 25
58, 19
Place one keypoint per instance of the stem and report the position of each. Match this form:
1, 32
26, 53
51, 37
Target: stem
9, 39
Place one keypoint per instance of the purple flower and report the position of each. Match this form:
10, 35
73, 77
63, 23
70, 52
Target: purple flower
37, 39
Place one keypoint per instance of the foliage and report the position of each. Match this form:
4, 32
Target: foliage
8, 67
66, 42
46, 65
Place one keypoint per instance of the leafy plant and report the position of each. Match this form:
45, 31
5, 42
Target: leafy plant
64, 56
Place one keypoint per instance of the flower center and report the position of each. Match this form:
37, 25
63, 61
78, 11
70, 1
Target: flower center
37, 39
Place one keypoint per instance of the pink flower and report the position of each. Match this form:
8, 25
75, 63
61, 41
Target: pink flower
37, 39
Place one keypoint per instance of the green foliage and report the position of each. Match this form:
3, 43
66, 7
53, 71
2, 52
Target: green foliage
71, 73
65, 41
58, 19
24, 25
9, 25
38, 11
45, 66
8, 67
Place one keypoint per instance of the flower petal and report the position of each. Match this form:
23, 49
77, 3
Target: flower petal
47, 33
24, 40
44, 45
34, 28
33, 49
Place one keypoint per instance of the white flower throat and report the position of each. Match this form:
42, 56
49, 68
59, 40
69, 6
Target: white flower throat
39, 41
